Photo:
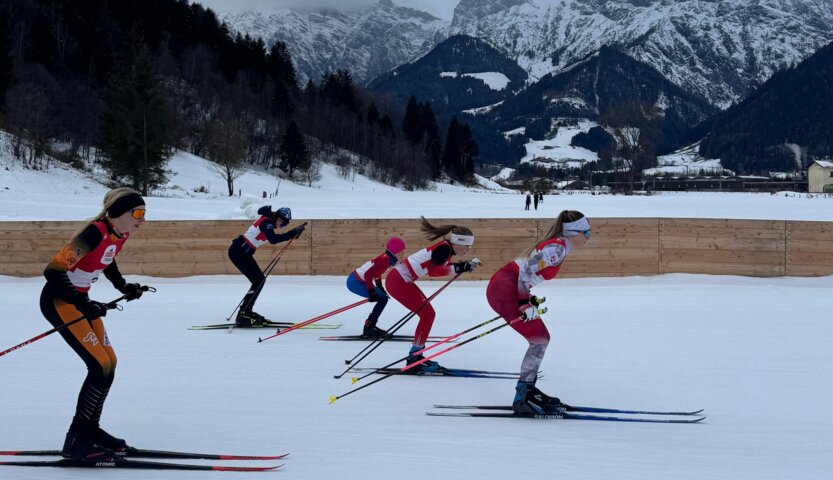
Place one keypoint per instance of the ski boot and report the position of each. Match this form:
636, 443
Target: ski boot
79, 443
104, 439
372, 332
530, 400
250, 319
425, 367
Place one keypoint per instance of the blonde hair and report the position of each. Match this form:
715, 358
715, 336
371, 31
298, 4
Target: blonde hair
433, 232
555, 230
108, 201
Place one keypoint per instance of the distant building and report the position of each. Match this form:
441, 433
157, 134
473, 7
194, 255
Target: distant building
820, 176
572, 185
711, 184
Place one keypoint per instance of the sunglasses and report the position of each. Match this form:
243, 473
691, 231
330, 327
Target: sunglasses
138, 213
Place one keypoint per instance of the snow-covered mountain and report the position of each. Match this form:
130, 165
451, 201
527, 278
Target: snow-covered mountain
366, 42
719, 49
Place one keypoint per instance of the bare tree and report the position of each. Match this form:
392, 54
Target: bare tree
27, 114
227, 147
634, 127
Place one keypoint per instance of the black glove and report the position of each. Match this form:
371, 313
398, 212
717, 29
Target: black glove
298, 230
533, 300
93, 309
372, 296
466, 265
463, 266
133, 291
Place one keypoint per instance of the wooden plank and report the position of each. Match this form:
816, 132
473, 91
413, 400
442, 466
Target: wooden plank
745, 269
722, 243
810, 270
722, 256
728, 224
816, 229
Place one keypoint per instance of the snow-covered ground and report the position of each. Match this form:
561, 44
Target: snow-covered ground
60, 193
686, 161
557, 152
754, 352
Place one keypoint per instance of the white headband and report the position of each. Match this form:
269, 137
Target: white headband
571, 229
456, 238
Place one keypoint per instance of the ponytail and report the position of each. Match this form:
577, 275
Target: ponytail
433, 232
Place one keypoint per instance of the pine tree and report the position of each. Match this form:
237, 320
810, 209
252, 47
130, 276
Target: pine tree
410, 122
279, 65
5, 59
460, 150
135, 138
294, 153
283, 103
420, 127
372, 114
339, 89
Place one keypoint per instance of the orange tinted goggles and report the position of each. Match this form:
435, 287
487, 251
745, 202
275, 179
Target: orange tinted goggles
138, 213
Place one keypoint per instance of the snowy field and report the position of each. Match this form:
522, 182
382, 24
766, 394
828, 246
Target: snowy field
63, 194
755, 353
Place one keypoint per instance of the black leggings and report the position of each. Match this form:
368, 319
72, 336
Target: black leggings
242, 256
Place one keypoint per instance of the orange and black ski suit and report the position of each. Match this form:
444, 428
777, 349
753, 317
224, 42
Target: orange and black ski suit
69, 276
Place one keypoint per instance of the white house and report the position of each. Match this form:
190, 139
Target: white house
820, 175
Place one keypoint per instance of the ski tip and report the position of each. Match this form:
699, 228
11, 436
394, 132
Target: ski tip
220, 468
333, 399
347, 362
355, 379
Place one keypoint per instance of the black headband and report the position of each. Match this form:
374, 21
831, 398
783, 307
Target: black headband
125, 204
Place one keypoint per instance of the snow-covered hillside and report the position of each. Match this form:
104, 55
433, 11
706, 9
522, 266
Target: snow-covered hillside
196, 192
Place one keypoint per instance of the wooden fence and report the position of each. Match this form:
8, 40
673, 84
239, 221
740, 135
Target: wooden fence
618, 247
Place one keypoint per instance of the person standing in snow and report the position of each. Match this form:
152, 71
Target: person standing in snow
535, 202
361, 282
242, 250
528, 201
509, 295
69, 276
435, 261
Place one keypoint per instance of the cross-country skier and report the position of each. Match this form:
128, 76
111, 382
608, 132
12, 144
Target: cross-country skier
435, 261
242, 250
509, 294
69, 276
361, 282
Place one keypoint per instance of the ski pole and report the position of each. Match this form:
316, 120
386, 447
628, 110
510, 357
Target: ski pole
312, 320
408, 367
110, 306
433, 345
375, 344
266, 271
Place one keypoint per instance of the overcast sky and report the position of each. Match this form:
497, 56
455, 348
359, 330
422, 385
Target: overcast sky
439, 8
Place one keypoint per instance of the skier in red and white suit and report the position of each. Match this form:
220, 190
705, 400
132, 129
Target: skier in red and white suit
434, 261
509, 294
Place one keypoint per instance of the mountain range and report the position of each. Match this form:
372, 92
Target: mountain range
718, 49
